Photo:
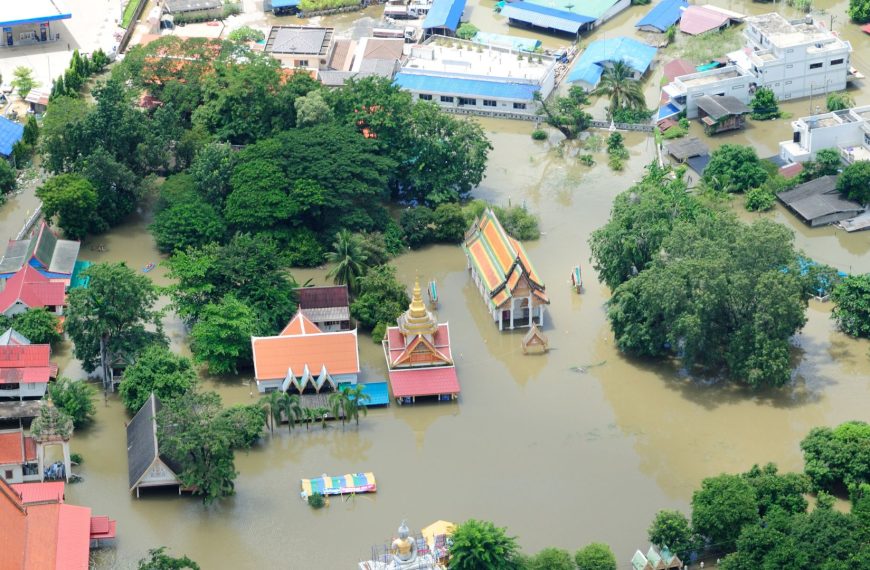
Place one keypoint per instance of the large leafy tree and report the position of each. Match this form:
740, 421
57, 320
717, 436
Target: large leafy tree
722, 507
70, 200
8, 178
38, 325
381, 298
64, 138
672, 529
160, 371
211, 170
838, 458
778, 491
113, 316
184, 218
195, 432
827, 163
859, 11
854, 182
480, 545
618, 84
566, 113
348, 259
118, 188
157, 559
851, 298
222, 336
246, 423
595, 556
551, 559
260, 196
734, 168
764, 105
75, 398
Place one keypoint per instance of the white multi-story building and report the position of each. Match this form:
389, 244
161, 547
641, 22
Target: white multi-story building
684, 91
847, 130
793, 58
464, 77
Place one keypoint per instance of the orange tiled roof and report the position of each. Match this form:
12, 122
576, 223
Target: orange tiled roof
297, 347
11, 448
499, 260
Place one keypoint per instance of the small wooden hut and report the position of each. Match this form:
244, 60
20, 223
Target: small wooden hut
536, 340
721, 113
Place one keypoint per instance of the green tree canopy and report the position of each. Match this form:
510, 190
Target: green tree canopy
480, 545
722, 507
381, 299
566, 113
194, 431
118, 188
859, 11
418, 226
620, 87
827, 163
838, 101
734, 168
672, 529
246, 34
114, 316
184, 218
75, 398
551, 559
312, 109
38, 325
211, 170
221, 338
246, 422
157, 559
764, 105
8, 177
348, 259
854, 182
23, 80
157, 370
851, 312
466, 31
775, 490
838, 458
595, 556
70, 200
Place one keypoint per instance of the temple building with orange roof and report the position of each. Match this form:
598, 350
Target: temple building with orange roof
304, 359
39, 531
418, 355
514, 293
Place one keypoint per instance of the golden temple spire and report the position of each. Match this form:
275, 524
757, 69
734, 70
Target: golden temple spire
417, 320
417, 309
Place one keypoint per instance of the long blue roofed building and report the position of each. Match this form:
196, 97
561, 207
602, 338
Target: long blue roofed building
492, 82
662, 16
563, 16
601, 54
443, 17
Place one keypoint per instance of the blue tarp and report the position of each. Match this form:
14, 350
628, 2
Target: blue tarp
378, 393
545, 17
635, 54
666, 111
513, 42
663, 15
444, 14
10, 133
279, 4
434, 84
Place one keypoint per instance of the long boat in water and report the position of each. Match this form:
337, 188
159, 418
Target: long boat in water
341, 485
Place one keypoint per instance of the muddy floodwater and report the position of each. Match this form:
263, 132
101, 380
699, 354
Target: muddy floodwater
574, 446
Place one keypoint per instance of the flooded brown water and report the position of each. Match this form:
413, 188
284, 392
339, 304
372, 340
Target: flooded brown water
577, 445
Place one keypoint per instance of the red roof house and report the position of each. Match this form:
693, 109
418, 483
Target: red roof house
28, 289
304, 357
418, 355
28, 366
699, 19
678, 67
45, 534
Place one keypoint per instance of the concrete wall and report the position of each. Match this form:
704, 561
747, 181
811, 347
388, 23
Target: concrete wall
814, 140
451, 103
736, 87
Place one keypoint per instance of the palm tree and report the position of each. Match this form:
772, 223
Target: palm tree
271, 402
289, 406
623, 90
337, 404
356, 402
349, 259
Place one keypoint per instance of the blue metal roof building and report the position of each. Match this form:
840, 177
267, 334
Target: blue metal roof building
663, 15
10, 133
590, 65
545, 17
466, 87
284, 4
444, 14
18, 13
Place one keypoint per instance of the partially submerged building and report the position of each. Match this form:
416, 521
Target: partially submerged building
40, 531
418, 355
721, 113
33, 22
819, 203
443, 17
656, 559
194, 9
25, 369
682, 94
556, 14
514, 294
306, 47
603, 53
702, 19
662, 16
52, 257
304, 359
18, 461
10, 133
29, 289
493, 82
847, 130
146, 465
327, 307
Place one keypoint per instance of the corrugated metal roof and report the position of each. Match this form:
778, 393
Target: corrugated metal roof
503, 89
444, 14
545, 17
10, 133
33, 12
635, 54
721, 106
378, 393
513, 42
424, 381
591, 8
818, 198
663, 15
699, 19
284, 4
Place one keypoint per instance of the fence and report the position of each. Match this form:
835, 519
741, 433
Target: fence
491, 114
330, 11
30, 222
128, 33
622, 126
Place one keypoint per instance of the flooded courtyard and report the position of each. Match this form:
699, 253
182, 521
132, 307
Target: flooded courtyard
577, 445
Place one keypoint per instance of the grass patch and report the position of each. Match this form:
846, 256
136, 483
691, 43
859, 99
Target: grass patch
127, 18
703, 48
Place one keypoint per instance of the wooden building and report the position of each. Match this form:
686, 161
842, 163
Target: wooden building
418, 355
146, 466
513, 292
721, 113
327, 307
819, 203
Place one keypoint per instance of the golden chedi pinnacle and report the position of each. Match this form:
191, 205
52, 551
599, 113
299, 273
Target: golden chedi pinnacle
417, 320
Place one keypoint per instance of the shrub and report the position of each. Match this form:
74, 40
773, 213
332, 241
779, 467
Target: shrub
764, 105
615, 142
632, 116
76, 458
586, 160
246, 34
539, 135
378, 333
616, 163
316, 501
759, 200
674, 133
75, 398
466, 31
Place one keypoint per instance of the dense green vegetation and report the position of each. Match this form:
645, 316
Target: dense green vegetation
566, 113
620, 87
691, 281
157, 559
764, 105
851, 312
854, 182
75, 398
156, 370
859, 11
37, 325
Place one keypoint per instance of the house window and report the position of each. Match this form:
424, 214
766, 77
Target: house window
424, 97
737, 87
467, 101
489, 102
815, 65
789, 66
519, 105
301, 63
446, 99
836, 61
9, 475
